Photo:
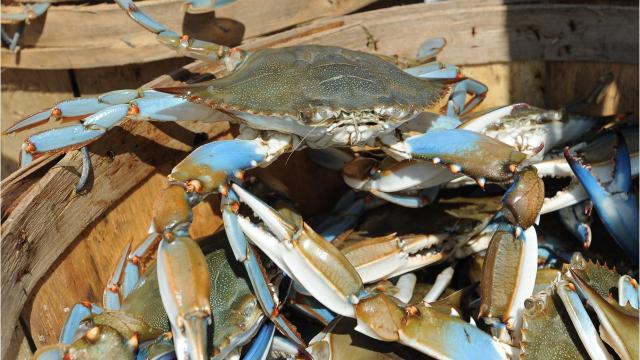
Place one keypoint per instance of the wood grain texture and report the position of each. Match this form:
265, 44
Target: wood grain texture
109, 37
483, 32
574, 81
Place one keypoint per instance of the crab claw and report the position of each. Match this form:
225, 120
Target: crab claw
618, 325
616, 205
432, 332
184, 288
463, 151
523, 200
304, 255
508, 275
577, 219
210, 167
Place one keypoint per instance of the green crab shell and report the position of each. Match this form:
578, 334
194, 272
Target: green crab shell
235, 310
318, 82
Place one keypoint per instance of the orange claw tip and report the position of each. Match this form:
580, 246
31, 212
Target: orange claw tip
455, 168
30, 147
133, 110
135, 260
93, 334
571, 287
184, 37
86, 304
68, 356
132, 343
223, 190
235, 207
56, 112
633, 283
113, 288
513, 168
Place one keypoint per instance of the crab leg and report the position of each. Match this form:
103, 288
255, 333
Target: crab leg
383, 257
207, 170
31, 12
458, 105
78, 313
182, 273
618, 326
442, 282
331, 279
473, 154
261, 344
112, 296
617, 205
245, 254
508, 275
581, 321
98, 116
183, 45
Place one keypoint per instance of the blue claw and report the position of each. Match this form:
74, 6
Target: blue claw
469, 152
616, 206
622, 175
261, 344
215, 163
78, 313
245, 253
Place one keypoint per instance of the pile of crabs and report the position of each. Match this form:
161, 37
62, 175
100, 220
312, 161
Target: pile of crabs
465, 235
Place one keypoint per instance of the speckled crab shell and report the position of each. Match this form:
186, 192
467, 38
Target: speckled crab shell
313, 82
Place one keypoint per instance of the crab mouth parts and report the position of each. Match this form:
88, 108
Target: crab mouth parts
556, 184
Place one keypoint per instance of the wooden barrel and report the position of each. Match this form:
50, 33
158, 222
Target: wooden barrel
59, 247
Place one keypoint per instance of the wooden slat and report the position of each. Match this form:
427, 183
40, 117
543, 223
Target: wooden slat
483, 33
81, 36
573, 81
518, 81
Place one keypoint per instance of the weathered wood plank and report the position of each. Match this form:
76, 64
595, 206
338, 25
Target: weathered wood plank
482, 33
109, 37
573, 81
518, 81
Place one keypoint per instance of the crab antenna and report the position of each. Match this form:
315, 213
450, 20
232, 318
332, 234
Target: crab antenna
184, 45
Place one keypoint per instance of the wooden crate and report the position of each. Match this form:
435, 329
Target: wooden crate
547, 55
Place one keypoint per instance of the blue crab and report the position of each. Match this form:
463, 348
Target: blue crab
132, 323
558, 309
286, 99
